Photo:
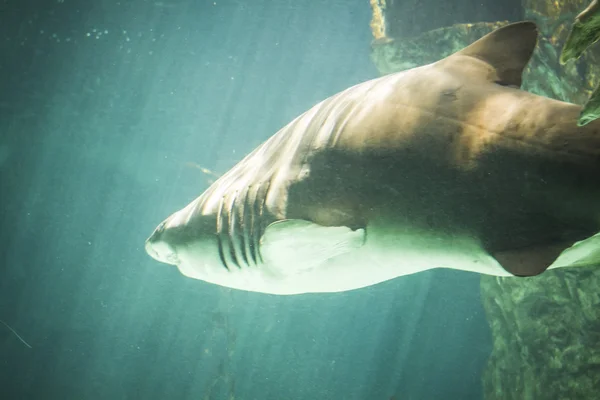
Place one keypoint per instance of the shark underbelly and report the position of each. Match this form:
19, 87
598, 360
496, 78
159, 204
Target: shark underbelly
302, 257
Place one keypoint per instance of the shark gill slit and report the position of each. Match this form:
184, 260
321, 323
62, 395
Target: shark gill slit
259, 208
219, 232
253, 241
246, 221
231, 230
239, 229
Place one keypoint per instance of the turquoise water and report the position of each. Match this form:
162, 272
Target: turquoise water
107, 111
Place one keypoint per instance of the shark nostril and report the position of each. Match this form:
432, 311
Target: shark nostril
161, 251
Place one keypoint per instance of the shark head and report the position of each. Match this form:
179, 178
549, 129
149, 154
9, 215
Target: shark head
184, 236
158, 247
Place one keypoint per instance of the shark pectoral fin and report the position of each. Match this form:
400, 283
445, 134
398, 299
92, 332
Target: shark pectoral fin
529, 261
535, 260
295, 246
585, 253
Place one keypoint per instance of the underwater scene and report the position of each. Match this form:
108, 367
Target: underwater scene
299, 200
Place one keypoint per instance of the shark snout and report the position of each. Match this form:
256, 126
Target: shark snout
159, 249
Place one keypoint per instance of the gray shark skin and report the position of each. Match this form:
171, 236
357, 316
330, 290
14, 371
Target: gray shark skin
448, 165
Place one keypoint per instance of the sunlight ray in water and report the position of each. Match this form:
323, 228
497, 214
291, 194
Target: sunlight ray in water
16, 334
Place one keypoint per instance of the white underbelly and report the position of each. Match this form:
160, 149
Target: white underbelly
302, 257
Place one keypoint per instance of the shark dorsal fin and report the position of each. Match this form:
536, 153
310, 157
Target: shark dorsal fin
505, 52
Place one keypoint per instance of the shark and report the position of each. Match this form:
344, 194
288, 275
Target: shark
447, 165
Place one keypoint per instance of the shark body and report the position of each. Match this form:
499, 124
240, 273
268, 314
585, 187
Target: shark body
448, 165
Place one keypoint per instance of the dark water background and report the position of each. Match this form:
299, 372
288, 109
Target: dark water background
105, 108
